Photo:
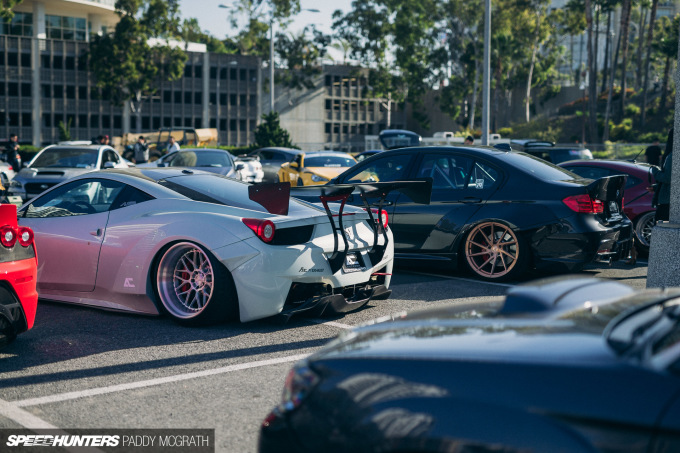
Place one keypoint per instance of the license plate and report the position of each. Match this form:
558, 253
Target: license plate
353, 263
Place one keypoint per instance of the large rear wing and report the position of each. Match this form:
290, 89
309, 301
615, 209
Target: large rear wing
276, 198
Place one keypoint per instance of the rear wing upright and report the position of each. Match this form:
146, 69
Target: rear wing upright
276, 198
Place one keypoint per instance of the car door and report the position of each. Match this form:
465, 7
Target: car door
69, 223
460, 186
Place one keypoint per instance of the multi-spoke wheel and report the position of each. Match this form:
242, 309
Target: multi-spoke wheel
494, 252
643, 230
193, 287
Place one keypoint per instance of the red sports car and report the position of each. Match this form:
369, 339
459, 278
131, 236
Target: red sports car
18, 275
637, 199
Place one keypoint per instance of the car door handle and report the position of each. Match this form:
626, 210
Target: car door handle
471, 200
96, 233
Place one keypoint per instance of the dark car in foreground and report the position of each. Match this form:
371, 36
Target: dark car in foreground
637, 199
560, 365
498, 213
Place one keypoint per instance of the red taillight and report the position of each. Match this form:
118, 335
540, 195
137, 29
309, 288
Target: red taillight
382, 218
584, 204
8, 236
264, 229
25, 236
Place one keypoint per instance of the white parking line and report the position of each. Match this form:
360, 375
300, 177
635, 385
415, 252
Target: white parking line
331, 323
505, 285
22, 417
151, 382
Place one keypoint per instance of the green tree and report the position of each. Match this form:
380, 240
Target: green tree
128, 66
191, 32
301, 57
666, 47
6, 7
270, 132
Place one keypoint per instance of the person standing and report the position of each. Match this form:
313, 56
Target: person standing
662, 193
172, 145
13, 152
469, 140
653, 154
141, 151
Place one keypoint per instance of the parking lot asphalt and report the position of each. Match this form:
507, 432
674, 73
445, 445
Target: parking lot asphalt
85, 368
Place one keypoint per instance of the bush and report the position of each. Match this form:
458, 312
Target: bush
622, 131
631, 110
505, 132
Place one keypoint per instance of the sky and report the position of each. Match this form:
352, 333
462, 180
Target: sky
214, 19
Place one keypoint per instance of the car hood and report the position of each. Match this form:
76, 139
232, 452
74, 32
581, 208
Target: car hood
475, 338
50, 173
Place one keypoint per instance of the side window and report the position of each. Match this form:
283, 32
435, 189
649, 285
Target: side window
446, 171
89, 196
389, 168
484, 177
110, 156
129, 196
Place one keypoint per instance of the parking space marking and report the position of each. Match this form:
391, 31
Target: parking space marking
471, 280
332, 324
22, 417
152, 382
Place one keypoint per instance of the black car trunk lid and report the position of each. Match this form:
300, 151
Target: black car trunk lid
609, 190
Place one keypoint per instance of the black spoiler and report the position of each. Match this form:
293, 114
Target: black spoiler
275, 198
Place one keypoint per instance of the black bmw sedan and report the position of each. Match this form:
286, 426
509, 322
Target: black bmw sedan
499, 213
560, 365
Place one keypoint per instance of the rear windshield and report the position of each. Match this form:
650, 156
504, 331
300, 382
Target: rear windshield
329, 161
213, 189
67, 157
538, 167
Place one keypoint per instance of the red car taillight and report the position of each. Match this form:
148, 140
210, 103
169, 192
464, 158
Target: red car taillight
584, 204
8, 236
382, 216
25, 236
264, 229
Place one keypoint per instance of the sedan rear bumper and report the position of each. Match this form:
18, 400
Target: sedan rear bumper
580, 242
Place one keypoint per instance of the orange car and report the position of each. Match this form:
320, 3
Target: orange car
315, 168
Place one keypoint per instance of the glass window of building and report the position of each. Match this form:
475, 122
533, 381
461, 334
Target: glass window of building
63, 27
20, 25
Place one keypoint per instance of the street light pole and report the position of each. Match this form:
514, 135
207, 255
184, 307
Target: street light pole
271, 62
487, 73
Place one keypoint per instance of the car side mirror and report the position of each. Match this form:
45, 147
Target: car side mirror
109, 165
240, 167
294, 165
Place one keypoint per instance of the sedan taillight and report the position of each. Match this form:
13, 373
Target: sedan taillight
584, 204
263, 229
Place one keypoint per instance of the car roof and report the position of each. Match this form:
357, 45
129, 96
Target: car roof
326, 153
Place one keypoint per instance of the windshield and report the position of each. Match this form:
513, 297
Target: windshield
539, 167
200, 159
399, 139
67, 157
329, 161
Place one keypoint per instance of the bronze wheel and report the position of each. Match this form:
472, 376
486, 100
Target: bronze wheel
493, 251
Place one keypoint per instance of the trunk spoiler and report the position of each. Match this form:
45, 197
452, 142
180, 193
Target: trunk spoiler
608, 188
275, 198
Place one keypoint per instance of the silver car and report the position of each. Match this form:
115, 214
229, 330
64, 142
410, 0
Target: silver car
57, 163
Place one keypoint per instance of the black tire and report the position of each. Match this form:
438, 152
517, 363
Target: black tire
643, 231
494, 252
193, 287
